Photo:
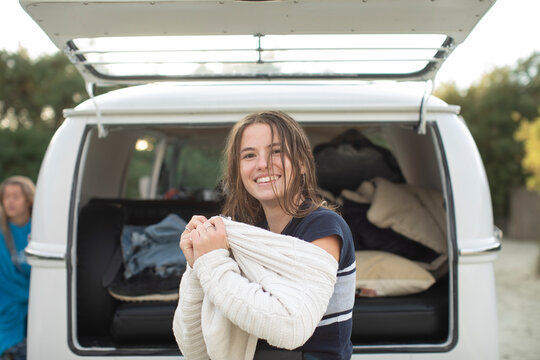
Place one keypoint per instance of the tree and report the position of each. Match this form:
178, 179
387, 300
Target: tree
529, 134
22, 151
34, 92
487, 108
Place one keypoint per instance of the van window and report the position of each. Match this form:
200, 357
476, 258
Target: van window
188, 169
174, 167
140, 167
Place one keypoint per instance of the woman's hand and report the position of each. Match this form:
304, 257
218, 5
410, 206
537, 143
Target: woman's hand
202, 236
210, 235
186, 241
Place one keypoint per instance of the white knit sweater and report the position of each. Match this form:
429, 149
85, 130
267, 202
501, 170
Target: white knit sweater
274, 287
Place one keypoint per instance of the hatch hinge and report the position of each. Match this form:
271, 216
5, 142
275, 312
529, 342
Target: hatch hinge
70, 54
421, 127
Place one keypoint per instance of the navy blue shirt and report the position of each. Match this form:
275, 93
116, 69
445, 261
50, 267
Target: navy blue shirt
332, 337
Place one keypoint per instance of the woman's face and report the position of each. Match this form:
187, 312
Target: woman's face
14, 203
259, 175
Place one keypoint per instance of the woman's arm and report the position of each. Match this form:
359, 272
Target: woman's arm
284, 310
332, 245
187, 318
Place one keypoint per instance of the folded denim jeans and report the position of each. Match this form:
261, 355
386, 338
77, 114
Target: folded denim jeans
154, 246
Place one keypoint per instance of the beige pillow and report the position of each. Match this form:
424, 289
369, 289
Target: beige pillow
381, 273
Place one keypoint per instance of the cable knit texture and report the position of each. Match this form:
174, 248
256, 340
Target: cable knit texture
272, 286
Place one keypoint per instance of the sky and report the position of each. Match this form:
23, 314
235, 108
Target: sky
508, 32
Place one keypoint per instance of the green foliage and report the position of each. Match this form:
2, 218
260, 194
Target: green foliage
22, 151
487, 108
199, 168
529, 133
33, 94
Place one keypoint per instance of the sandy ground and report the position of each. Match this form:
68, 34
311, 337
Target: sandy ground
518, 300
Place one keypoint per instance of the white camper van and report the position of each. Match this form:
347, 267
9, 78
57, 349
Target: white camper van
357, 76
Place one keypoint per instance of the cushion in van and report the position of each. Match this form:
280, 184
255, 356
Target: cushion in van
143, 322
416, 213
367, 236
403, 319
380, 273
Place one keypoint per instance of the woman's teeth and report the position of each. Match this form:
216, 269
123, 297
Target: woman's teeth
266, 179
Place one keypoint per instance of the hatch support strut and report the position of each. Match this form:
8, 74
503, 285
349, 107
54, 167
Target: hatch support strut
421, 127
102, 132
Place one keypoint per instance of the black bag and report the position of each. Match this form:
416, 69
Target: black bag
351, 158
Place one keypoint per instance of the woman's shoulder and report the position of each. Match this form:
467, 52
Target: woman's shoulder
324, 214
323, 221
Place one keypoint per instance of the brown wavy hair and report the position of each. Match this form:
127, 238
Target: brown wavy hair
302, 185
28, 189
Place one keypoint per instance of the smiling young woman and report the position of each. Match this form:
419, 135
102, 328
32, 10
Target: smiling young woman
269, 181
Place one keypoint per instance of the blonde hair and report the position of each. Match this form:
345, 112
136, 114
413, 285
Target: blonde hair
29, 190
300, 184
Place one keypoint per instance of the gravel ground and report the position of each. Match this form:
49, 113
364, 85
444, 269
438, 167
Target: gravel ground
518, 300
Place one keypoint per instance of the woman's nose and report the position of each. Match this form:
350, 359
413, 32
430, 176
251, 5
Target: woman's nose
262, 162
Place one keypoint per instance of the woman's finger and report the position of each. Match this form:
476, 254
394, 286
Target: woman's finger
195, 221
185, 238
186, 245
208, 226
218, 224
220, 229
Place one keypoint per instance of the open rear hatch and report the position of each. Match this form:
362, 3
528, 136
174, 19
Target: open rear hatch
127, 42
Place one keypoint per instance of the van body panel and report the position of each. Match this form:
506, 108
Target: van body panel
56, 176
45, 254
478, 331
225, 97
47, 314
222, 119
63, 20
470, 187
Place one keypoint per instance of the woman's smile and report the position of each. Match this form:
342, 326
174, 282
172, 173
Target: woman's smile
266, 179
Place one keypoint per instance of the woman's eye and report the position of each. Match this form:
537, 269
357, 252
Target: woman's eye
248, 156
276, 151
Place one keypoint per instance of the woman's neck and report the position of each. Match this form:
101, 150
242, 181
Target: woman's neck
20, 220
276, 218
